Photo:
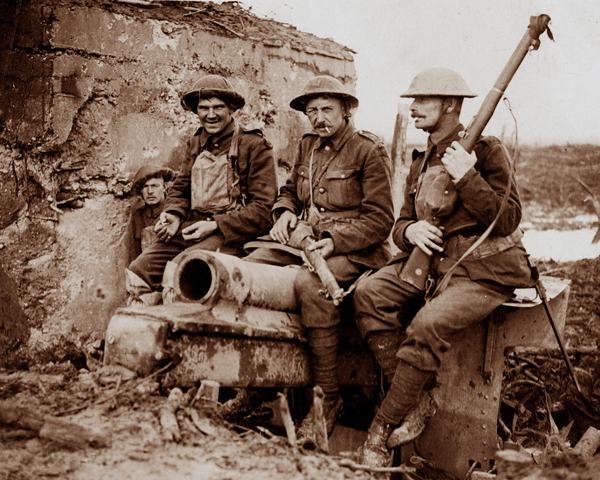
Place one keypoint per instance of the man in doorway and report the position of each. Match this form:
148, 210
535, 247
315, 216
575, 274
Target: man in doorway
222, 195
466, 191
339, 193
150, 184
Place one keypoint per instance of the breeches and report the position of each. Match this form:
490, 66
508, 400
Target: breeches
316, 310
383, 301
150, 265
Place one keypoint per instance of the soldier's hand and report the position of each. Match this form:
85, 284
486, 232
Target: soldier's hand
324, 247
425, 236
457, 161
167, 226
281, 230
199, 230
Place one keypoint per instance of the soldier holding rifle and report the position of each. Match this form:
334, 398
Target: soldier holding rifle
339, 193
450, 199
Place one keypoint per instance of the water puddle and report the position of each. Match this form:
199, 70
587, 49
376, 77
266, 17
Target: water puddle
561, 245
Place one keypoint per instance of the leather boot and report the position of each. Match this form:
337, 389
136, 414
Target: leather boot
374, 453
139, 293
384, 346
168, 284
404, 394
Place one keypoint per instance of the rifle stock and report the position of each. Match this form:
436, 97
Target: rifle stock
416, 269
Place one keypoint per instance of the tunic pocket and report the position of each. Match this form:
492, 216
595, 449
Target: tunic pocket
344, 187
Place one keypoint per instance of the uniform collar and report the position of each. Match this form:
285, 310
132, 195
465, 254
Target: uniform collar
205, 137
444, 143
339, 138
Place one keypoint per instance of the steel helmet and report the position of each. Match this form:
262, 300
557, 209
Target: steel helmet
438, 82
319, 86
212, 86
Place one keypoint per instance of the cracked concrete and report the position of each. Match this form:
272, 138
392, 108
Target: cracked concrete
91, 92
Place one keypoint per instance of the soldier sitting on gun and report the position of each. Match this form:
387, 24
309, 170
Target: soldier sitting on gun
450, 198
221, 198
340, 188
150, 184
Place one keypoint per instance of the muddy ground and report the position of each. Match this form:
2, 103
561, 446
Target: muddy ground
126, 411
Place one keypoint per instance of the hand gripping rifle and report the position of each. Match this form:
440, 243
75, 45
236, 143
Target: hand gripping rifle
416, 270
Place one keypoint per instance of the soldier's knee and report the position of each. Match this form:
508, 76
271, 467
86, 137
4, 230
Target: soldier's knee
363, 294
307, 285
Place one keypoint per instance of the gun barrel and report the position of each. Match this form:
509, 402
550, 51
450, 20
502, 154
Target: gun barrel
208, 277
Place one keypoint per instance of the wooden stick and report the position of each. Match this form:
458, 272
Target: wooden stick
52, 428
168, 421
588, 443
288, 423
320, 424
241, 35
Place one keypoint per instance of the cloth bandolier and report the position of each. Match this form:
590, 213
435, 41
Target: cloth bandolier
226, 177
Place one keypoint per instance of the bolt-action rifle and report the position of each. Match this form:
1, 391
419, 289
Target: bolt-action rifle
416, 270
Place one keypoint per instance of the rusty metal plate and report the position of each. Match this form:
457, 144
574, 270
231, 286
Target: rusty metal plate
463, 431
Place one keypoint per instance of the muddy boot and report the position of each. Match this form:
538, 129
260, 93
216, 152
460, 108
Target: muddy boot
323, 343
374, 453
404, 394
139, 293
384, 346
168, 284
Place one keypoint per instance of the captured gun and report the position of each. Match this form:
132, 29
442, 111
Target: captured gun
416, 270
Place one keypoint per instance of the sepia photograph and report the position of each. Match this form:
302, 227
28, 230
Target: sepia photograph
299, 239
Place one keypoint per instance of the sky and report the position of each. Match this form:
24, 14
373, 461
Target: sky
555, 94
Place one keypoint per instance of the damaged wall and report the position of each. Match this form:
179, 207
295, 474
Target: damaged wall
90, 92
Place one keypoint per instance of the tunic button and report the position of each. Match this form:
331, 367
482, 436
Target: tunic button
216, 145
446, 192
322, 209
327, 148
343, 176
321, 190
433, 218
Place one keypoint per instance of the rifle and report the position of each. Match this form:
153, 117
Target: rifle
416, 270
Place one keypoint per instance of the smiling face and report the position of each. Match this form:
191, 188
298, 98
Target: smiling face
427, 112
326, 115
214, 114
154, 191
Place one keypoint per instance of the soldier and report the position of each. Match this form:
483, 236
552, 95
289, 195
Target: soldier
150, 184
471, 187
221, 198
340, 187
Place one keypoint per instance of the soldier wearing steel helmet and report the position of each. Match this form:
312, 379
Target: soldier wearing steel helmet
222, 195
339, 192
467, 190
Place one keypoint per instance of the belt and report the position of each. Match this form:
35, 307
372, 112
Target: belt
458, 244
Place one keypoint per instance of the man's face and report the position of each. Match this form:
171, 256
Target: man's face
214, 114
154, 191
427, 111
326, 115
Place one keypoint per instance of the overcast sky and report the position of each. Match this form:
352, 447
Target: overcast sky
555, 94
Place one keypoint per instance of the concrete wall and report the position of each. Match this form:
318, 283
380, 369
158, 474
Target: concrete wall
89, 94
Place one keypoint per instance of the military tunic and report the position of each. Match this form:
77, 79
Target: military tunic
478, 286
351, 191
255, 168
